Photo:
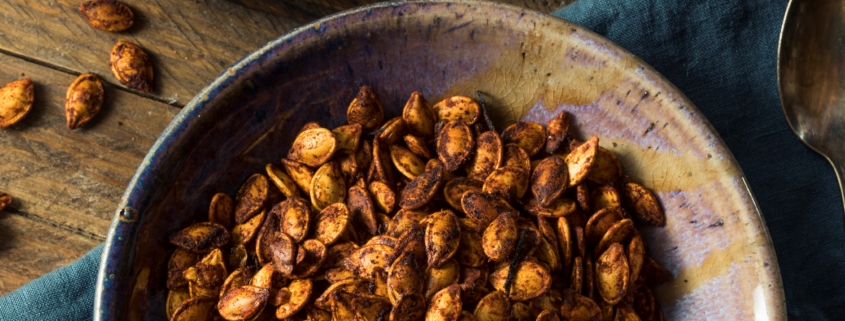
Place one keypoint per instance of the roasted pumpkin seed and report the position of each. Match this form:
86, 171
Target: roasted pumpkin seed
624, 312
406, 162
644, 304
365, 260
580, 160
619, 232
419, 116
180, 261
521, 312
107, 15
385, 198
558, 129
549, 179
365, 109
331, 223
466, 316
454, 144
243, 303
238, 278
493, 307
612, 274
132, 67
600, 222
341, 304
351, 286
514, 156
576, 281
458, 108
300, 174
422, 188
483, 208
636, 254
296, 296
417, 146
392, 131
409, 307
606, 168
559, 208
403, 278
507, 182
237, 257
589, 277
83, 100
282, 181
455, 189
221, 210
361, 209
605, 196
442, 237
348, 137
314, 257
470, 250
264, 277
445, 305
403, 221
488, 156
578, 307
371, 307
529, 136
530, 280
500, 237
251, 197
243, 233
438, 278
644, 204
382, 163
194, 309
174, 300
327, 186
16, 100
564, 239
282, 251
200, 238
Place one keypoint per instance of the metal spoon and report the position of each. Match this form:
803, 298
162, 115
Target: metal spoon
811, 77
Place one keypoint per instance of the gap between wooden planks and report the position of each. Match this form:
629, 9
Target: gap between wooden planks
190, 42
66, 184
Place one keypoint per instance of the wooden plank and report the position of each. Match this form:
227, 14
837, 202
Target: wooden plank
74, 178
190, 42
30, 249
299, 10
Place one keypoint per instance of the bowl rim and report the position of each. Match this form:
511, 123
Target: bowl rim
119, 245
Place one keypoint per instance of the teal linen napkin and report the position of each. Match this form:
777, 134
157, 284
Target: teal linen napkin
722, 55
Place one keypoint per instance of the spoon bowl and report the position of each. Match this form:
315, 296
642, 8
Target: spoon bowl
811, 77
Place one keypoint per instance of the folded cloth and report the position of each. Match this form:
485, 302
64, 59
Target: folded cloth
64, 294
723, 55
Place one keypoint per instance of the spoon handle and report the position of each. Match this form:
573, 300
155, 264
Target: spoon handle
839, 168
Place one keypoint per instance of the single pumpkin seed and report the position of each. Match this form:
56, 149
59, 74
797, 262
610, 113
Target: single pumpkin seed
529, 136
84, 100
16, 100
132, 67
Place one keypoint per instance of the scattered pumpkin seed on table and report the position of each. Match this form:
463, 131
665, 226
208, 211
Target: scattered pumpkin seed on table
427, 216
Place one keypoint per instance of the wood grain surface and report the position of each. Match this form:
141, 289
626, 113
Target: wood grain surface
66, 184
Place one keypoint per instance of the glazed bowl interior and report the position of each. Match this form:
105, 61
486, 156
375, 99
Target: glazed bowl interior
530, 66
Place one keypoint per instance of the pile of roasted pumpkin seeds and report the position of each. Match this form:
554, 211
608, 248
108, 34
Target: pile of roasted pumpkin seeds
429, 216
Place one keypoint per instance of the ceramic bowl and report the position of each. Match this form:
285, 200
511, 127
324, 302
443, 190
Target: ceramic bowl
530, 66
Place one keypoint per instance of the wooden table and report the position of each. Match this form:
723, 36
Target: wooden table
66, 184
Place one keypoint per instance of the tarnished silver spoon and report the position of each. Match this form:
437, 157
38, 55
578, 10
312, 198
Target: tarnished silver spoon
811, 77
